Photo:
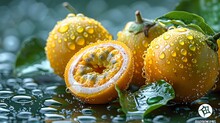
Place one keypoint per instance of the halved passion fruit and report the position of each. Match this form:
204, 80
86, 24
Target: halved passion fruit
92, 73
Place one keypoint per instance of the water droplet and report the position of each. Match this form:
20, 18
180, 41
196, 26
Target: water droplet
73, 37
79, 29
21, 91
153, 100
65, 39
145, 43
4, 111
3, 119
85, 34
63, 28
54, 117
90, 30
157, 46
190, 37
27, 80
48, 110
194, 60
55, 36
3, 105
182, 29
80, 40
118, 119
184, 59
37, 92
183, 52
167, 36
70, 15
150, 61
173, 53
168, 62
161, 119
22, 99
192, 47
181, 42
30, 85
5, 94
86, 119
51, 102
181, 65
87, 111
50, 90
162, 55
71, 46
24, 115
59, 41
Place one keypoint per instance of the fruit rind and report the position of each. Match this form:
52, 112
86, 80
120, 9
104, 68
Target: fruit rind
105, 92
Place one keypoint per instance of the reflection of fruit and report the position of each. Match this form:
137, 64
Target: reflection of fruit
218, 81
69, 36
182, 57
91, 74
137, 36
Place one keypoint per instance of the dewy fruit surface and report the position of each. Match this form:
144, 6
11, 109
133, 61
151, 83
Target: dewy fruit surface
137, 36
69, 36
182, 57
93, 72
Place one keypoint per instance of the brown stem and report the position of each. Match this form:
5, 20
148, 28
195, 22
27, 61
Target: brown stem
138, 17
69, 7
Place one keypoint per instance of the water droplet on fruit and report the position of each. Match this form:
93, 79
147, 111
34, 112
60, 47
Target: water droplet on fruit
168, 62
59, 41
183, 52
87, 111
72, 37
63, 28
53, 44
85, 34
162, 55
167, 36
55, 36
145, 43
181, 65
190, 37
79, 29
153, 100
80, 40
157, 46
90, 30
194, 61
150, 61
182, 29
184, 59
65, 39
181, 42
192, 47
173, 53
71, 15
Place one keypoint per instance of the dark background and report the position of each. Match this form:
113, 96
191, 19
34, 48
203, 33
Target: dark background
21, 19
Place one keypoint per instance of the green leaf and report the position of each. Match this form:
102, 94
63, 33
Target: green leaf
146, 99
208, 9
31, 59
186, 19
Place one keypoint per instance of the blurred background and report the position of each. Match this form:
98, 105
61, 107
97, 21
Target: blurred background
21, 19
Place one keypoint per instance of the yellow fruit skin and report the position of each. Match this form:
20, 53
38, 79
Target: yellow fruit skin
69, 36
106, 95
182, 58
139, 43
218, 82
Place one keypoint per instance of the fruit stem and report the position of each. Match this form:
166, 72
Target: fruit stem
212, 41
216, 36
138, 17
69, 7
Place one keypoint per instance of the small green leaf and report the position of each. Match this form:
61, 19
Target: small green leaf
208, 9
186, 19
146, 99
31, 60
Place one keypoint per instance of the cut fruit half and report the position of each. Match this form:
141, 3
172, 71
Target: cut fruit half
92, 73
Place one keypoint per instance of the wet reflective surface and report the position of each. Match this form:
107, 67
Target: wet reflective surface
30, 100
